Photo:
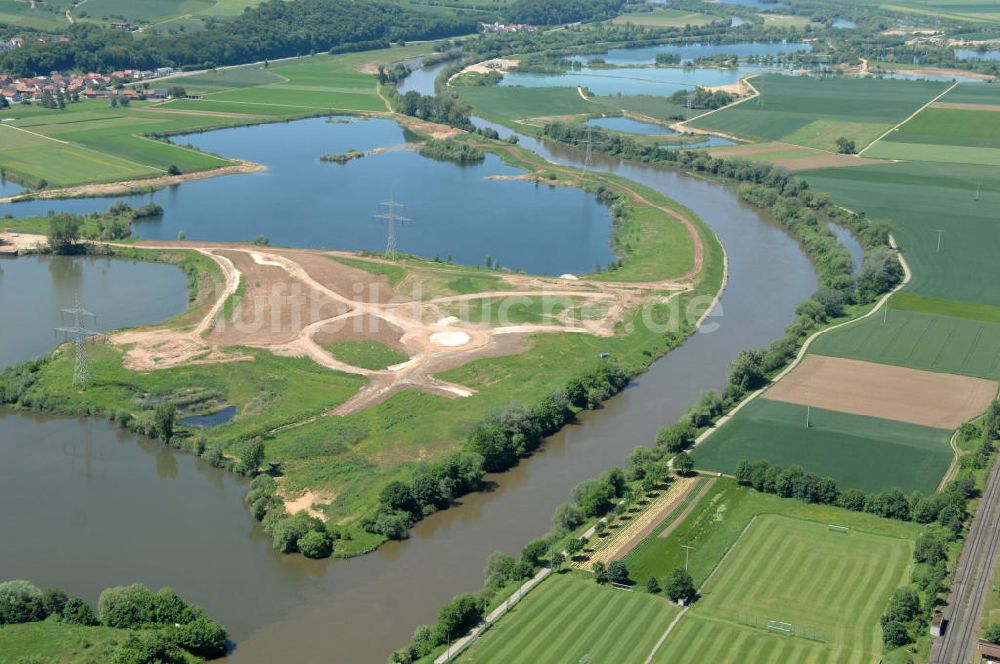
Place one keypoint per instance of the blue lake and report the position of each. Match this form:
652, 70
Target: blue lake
300, 201
976, 54
631, 126
688, 52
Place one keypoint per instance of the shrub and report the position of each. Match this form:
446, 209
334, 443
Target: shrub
315, 544
20, 602
78, 612
127, 607
286, 532
202, 637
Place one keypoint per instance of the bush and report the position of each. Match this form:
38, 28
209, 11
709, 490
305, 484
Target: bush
20, 602
127, 607
78, 612
202, 637
567, 517
315, 544
286, 532
676, 437
993, 633
895, 634
534, 552
151, 648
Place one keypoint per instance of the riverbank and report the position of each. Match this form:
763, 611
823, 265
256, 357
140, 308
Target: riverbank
132, 187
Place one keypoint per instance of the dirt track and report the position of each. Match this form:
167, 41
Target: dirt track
296, 301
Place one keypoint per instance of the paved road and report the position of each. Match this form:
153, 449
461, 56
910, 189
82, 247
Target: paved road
973, 580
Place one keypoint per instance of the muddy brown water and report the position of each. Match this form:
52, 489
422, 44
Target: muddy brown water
90, 506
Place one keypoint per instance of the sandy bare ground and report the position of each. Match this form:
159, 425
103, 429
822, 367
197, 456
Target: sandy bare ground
18, 242
940, 71
306, 503
125, 186
487, 66
294, 302
939, 400
618, 545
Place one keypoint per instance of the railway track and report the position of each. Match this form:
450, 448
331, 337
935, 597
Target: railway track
973, 579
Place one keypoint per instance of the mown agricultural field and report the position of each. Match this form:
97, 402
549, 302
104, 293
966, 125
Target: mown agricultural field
922, 199
814, 111
831, 586
919, 340
513, 103
665, 18
973, 93
569, 618
961, 135
958, 10
859, 452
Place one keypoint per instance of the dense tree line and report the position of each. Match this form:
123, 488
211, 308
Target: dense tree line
442, 109
947, 508
274, 29
701, 98
555, 12
166, 629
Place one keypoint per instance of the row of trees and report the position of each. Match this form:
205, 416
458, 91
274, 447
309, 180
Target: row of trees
947, 508
171, 629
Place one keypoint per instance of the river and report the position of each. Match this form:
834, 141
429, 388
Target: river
147, 514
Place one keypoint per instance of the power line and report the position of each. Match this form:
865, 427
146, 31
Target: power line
588, 160
78, 333
391, 217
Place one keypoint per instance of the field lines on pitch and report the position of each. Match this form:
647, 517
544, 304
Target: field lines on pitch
828, 584
569, 617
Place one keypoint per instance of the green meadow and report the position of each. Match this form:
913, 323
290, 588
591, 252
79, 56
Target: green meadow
859, 452
910, 337
815, 111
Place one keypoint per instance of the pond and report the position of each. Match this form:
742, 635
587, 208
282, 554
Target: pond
300, 201
707, 142
688, 52
9, 188
631, 126
33, 290
976, 54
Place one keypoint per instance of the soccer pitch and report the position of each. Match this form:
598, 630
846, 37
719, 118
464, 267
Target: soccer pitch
569, 618
830, 586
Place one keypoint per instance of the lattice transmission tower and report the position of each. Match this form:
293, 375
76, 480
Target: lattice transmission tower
391, 217
588, 160
78, 332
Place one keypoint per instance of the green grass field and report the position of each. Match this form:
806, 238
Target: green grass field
665, 18
366, 354
932, 305
944, 135
569, 618
830, 586
514, 103
912, 338
974, 93
859, 452
816, 111
921, 199
956, 10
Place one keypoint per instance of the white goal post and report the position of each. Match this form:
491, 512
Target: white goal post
621, 586
780, 627
838, 529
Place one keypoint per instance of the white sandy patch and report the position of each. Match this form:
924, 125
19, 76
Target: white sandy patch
446, 321
450, 339
569, 277
260, 260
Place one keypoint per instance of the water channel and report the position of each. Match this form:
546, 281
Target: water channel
98, 507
